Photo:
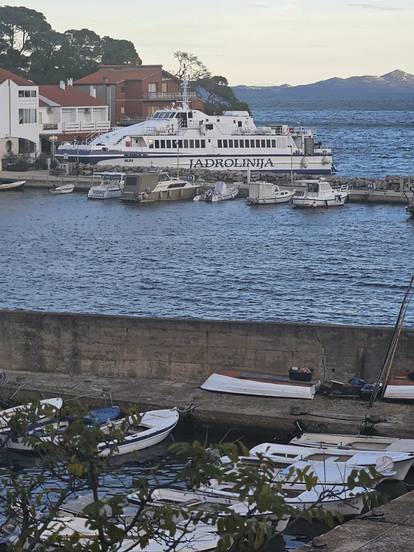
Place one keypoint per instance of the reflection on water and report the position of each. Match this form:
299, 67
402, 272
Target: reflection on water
221, 261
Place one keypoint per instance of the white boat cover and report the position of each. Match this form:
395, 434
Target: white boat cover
354, 442
238, 386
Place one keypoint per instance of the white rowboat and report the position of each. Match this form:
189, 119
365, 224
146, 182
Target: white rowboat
12, 186
355, 442
65, 189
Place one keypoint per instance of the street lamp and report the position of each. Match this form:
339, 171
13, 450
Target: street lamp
53, 139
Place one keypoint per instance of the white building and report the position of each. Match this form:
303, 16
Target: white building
70, 114
19, 115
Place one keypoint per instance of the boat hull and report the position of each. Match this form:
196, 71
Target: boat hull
178, 194
269, 201
310, 203
104, 194
12, 186
227, 384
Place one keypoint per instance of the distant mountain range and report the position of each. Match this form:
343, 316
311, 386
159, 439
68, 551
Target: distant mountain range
391, 87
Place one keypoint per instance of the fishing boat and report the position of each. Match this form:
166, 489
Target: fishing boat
151, 187
12, 186
229, 142
110, 186
318, 193
263, 385
222, 191
65, 189
42, 414
397, 462
197, 504
154, 426
355, 442
266, 193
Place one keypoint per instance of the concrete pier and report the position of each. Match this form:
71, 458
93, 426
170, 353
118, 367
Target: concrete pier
162, 362
389, 528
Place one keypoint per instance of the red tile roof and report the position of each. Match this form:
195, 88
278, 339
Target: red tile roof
20, 81
114, 74
69, 97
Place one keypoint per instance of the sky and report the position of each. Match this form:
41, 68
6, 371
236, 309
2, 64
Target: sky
254, 42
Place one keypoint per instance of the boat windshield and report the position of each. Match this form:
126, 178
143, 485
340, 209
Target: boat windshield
313, 187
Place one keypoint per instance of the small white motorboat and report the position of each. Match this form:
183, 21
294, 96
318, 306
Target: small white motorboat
154, 426
110, 186
64, 189
222, 191
265, 193
401, 462
17, 185
200, 537
197, 504
249, 383
318, 193
355, 442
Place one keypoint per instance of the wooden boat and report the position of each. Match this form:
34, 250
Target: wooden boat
65, 189
263, 385
266, 193
153, 428
355, 442
7, 415
17, 185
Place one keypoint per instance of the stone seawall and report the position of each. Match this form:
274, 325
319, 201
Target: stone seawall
189, 350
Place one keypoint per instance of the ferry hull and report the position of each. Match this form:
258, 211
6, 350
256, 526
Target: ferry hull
280, 163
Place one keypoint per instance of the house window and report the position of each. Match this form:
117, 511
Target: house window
27, 116
164, 87
27, 94
152, 87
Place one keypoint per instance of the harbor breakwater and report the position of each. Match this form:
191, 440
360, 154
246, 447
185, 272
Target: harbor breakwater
183, 350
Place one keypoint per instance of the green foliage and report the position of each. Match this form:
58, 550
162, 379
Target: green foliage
29, 45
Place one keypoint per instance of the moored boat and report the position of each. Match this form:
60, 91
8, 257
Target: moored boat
355, 442
110, 185
266, 193
401, 462
151, 187
222, 191
250, 383
318, 193
12, 186
64, 189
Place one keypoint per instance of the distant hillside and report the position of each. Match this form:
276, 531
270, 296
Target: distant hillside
391, 87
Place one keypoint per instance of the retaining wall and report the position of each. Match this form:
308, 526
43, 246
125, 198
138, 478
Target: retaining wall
189, 350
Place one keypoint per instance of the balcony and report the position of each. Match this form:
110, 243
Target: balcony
76, 126
167, 96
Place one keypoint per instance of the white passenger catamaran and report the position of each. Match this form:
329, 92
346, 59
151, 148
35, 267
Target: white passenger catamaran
230, 142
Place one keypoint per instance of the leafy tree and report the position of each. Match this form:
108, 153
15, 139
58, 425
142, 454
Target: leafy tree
119, 52
190, 65
49, 61
19, 26
84, 52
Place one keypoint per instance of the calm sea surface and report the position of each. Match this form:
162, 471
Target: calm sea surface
191, 259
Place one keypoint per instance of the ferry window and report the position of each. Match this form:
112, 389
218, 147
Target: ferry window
168, 142
241, 142
157, 144
219, 144
239, 124
150, 144
185, 144
252, 143
224, 143
273, 143
209, 127
191, 143
197, 143
162, 144
257, 143
174, 144
190, 114
263, 143
203, 143
180, 144
268, 143
230, 143
236, 143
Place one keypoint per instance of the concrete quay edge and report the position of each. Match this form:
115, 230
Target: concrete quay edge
388, 528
